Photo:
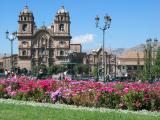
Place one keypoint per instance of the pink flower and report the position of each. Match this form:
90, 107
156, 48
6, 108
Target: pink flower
13, 93
126, 90
110, 90
8, 89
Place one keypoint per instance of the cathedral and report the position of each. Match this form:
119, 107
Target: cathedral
44, 46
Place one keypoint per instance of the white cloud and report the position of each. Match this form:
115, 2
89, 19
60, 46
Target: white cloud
83, 38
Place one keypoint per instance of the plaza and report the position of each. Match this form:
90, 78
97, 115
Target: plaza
80, 60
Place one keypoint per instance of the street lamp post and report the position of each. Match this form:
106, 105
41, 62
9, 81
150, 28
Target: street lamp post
104, 28
149, 54
11, 38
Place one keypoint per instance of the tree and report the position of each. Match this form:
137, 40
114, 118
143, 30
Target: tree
147, 73
156, 66
81, 68
37, 69
61, 68
151, 68
144, 75
52, 69
95, 72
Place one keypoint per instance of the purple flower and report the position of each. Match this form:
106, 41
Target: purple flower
55, 95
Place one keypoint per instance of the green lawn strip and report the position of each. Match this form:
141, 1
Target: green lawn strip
18, 110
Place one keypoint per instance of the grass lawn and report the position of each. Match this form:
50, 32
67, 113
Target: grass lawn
9, 111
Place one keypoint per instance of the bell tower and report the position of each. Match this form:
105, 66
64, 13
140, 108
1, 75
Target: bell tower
26, 27
62, 22
62, 35
26, 22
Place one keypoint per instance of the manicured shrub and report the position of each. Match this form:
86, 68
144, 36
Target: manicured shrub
108, 99
134, 100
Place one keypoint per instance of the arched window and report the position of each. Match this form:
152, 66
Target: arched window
24, 27
61, 18
61, 53
25, 18
43, 40
61, 27
24, 52
43, 51
44, 60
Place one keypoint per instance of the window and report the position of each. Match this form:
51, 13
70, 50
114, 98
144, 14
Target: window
24, 27
43, 42
91, 59
43, 52
123, 67
44, 60
129, 67
141, 67
61, 42
135, 67
24, 53
61, 53
33, 53
24, 42
24, 18
61, 27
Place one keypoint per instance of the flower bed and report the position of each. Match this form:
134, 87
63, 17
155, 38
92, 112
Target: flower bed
124, 95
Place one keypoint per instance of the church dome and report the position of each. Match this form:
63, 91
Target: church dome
62, 10
26, 10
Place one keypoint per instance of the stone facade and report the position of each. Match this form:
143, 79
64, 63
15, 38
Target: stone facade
7, 61
94, 59
44, 46
76, 47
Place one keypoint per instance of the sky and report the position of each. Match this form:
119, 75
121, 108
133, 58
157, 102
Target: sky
133, 21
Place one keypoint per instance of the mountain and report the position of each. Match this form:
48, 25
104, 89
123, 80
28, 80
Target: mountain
118, 51
141, 47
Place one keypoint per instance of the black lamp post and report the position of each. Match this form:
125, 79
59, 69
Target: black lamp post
11, 38
107, 21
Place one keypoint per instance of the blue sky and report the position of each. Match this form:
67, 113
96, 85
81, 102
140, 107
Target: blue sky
133, 21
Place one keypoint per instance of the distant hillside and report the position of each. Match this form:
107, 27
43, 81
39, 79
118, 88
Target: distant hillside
137, 48
119, 51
